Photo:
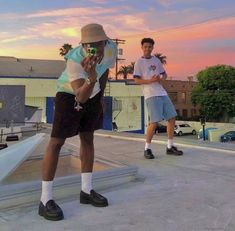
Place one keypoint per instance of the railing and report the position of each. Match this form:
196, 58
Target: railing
36, 127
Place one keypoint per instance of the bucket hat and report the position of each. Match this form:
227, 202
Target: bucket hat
93, 32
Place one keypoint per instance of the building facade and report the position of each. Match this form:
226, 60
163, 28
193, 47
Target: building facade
127, 105
180, 94
38, 76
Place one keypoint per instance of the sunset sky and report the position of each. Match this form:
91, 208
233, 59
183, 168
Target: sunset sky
192, 34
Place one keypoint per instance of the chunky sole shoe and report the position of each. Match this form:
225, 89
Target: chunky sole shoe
174, 151
51, 211
148, 154
93, 198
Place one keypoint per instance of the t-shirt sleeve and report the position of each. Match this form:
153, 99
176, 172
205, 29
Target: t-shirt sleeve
160, 67
137, 70
75, 71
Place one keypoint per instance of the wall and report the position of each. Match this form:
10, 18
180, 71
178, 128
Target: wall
12, 100
129, 118
214, 135
34, 87
36, 90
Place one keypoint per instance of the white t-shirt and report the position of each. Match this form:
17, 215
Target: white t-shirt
145, 69
76, 71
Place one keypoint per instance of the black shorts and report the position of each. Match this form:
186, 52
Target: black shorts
69, 122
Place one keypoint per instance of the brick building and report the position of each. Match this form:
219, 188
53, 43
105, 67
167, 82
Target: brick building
180, 94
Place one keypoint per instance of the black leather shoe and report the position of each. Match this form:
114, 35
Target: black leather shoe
51, 211
174, 151
93, 198
148, 154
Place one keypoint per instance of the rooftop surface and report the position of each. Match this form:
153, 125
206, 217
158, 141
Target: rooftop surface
194, 192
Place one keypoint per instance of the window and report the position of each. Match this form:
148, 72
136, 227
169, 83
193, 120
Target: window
173, 96
183, 97
1, 104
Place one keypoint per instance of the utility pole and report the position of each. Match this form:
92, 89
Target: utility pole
118, 41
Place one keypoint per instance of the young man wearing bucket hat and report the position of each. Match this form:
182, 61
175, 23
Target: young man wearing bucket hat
78, 110
149, 72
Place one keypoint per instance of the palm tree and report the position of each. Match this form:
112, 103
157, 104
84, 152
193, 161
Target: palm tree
161, 57
124, 70
65, 49
131, 67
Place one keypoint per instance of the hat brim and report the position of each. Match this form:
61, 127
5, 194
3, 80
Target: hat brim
94, 39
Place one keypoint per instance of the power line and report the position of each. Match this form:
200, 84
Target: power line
177, 28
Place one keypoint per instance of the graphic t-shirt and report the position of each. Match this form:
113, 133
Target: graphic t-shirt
145, 69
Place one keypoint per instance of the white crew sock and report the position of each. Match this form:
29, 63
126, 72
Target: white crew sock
147, 146
169, 143
87, 182
46, 191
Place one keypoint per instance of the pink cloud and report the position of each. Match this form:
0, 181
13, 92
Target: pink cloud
188, 49
81, 11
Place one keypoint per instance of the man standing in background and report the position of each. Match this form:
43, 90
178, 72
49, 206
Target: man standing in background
149, 72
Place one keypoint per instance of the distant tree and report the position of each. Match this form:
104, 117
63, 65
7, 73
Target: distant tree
215, 92
131, 67
65, 49
124, 71
161, 57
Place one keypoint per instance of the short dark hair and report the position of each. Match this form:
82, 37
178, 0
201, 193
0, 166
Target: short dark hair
147, 40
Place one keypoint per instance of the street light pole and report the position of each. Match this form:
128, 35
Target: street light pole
203, 123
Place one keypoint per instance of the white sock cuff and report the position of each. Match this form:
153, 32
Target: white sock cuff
147, 146
169, 143
47, 184
86, 182
46, 191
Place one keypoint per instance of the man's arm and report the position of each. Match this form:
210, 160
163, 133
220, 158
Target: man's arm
164, 75
81, 87
147, 81
138, 75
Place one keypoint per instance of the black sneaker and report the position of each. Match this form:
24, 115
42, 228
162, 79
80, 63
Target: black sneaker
51, 211
174, 151
93, 198
148, 154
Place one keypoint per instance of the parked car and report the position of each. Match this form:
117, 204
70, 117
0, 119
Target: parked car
200, 133
182, 129
228, 136
160, 128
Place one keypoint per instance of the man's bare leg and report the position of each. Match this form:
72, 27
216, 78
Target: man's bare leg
170, 128
51, 157
87, 151
150, 132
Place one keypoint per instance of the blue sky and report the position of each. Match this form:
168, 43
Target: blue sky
190, 28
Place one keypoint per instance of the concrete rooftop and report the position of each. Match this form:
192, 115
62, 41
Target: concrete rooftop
194, 192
